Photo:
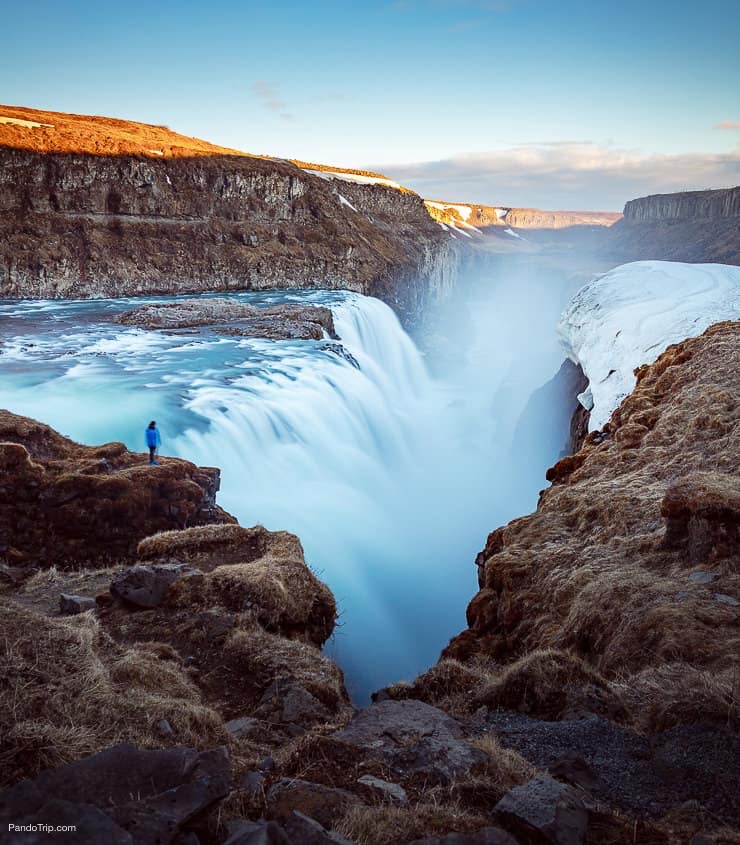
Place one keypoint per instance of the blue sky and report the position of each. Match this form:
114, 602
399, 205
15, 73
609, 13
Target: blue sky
569, 104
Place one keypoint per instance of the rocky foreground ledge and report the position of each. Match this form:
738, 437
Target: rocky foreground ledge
179, 694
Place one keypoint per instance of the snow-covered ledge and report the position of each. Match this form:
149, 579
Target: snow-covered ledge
628, 316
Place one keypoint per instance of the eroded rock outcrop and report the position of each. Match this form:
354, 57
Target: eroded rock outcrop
63, 504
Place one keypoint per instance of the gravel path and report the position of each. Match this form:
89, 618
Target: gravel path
646, 775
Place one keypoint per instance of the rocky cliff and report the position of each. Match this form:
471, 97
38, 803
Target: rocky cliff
97, 207
630, 562
63, 504
484, 216
691, 205
690, 226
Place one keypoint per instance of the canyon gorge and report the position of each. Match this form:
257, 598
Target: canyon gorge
418, 406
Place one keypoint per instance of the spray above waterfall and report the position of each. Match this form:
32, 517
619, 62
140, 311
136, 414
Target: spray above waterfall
390, 477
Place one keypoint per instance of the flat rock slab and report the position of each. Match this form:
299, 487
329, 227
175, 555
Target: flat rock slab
72, 605
413, 738
544, 812
230, 316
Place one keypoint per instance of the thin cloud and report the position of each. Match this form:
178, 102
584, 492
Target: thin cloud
268, 94
729, 124
573, 175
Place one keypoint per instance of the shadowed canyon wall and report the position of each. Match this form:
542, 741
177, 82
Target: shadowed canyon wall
699, 226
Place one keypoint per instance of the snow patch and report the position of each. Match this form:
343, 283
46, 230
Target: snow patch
357, 178
463, 210
156, 152
28, 124
628, 317
345, 201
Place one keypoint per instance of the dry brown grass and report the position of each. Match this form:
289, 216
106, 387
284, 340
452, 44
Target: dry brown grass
678, 693
591, 571
66, 690
321, 758
385, 825
263, 657
481, 789
76, 133
204, 544
252, 570
550, 684
449, 684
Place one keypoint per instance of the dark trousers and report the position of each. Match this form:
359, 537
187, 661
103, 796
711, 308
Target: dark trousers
152, 453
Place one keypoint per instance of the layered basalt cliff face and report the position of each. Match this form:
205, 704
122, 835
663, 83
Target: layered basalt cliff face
689, 226
102, 214
691, 205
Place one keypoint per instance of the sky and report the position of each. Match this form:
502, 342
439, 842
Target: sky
572, 104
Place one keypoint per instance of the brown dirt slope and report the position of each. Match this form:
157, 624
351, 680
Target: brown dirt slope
63, 504
57, 132
631, 562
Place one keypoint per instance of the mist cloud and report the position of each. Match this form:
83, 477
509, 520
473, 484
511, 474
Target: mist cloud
729, 124
574, 175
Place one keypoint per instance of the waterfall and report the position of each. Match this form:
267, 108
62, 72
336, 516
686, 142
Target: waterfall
372, 466
391, 478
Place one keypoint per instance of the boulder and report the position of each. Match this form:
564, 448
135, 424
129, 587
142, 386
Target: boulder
146, 585
391, 791
242, 727
308, 831
92, 826
259, 833
144, 796
323, 803
285, 701
544, 812
72, 605
413, 739
253, 783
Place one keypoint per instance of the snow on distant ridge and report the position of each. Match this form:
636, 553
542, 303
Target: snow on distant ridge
353, 177
463, 210
627, 318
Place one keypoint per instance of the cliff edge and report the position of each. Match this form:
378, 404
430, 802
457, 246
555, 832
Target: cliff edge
94, 206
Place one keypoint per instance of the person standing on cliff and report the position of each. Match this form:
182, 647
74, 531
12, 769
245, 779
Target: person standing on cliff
153, 441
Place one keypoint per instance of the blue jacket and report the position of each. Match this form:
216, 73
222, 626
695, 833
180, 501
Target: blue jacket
152, 437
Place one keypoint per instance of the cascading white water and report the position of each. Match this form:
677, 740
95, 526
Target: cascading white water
391, 478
